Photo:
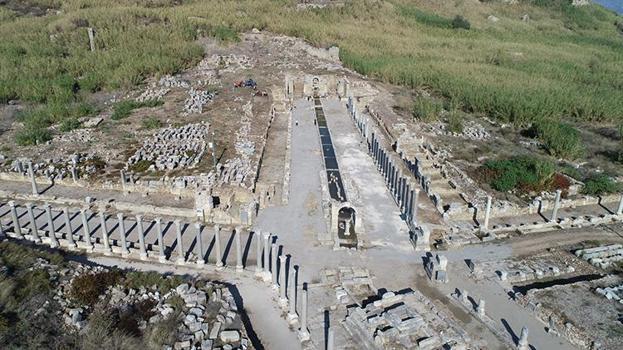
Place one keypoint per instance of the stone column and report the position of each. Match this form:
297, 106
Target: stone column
416, 194
403, 194
239, 266
68, 229
303, 332
141, 237
181, 257
522, 343
274, 265
199, 241
1, 229
556, 207
74, 173
124, 244
331, 339
86, 230
464, 298
480, 309
51, 229
409, 209
258, 251
217, 246
620, 208
123, 181
107, 250
407, 201
17, 228
282, 279
162, 257
485, 225
34, 231
267, 254
292, 294
33, 181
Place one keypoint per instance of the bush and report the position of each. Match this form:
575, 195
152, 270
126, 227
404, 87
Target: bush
86, 289
137, 280
460, 23
224, 34
33, 135
600, 184
522, 172
151, 123
70, 124
426, 110
426, 18
560, 139
124, 108
455, 121
141, 166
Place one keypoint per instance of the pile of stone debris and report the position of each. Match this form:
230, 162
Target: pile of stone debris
78, 164
196, 100
172, 148
209, 317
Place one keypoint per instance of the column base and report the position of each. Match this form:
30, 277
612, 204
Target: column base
239, 268
107, 251
200, 262
283, 303
162, 259
89, 249
180, 261
143, 256
125, 254
303, 336
293, 319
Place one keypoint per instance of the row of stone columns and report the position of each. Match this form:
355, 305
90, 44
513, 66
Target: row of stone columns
281, 279
273, 268
402, 190
105, 239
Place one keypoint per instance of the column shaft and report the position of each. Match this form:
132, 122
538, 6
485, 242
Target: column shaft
141, 237
217, 245
34, 230
124, 243
199, 241
69, 235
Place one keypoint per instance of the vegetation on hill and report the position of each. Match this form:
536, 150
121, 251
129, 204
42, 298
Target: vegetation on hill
562, 63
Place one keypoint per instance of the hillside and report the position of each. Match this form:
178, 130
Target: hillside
517, 62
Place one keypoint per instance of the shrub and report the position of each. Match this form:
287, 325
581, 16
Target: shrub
455, 121
70, 124
151, 123
124, 108
522, 172
427, 18
458, 22
86, 289
140, 166
224, 34
33, 135
137, 280
426, 110
560, 139
600, 184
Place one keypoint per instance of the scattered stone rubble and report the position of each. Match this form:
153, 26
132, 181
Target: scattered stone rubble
172, 148
209, 317
196, 100
402, 321
152, 93
471, 130
170, 81
77, 165
602, 256
226, 63
612, 293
